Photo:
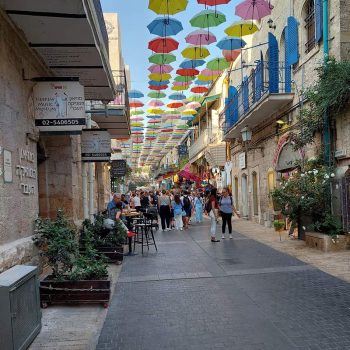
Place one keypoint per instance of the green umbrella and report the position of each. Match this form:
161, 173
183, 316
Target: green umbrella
218, 63
182, 127
181, 78
207, 19
162, 58
172, 112
155, 94
195, 98
139, 112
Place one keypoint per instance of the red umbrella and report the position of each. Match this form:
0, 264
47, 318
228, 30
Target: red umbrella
175, 104
163, 45
230, 56
136, 104
162, 87
199, 89
213, 2
187, 72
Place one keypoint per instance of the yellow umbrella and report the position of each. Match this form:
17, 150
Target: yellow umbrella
206, 78
167, 7
242, 28
155, 111
136, 124
195, 52
189, 112
180, 88
159, 77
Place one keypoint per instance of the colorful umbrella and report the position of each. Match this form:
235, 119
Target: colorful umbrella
158, 88
199, 89
155, 116
175, 104
213, 2
189, 112
187, 72
202, 82
156, 95
210, 73
200, 37
207, 19
163, 45
180, 88
160, 69
159, 77
182, 78
195, 98
167, 7
135, 94
195, 52
162, 58
155, 111
206, 78
253, 9
191, 63
218, 64
158, 83
242, 28
182, 83
165, 26
177, 97
138, 112
193, 105
136, 119
187, 117
155, 103
231, 56
136, 103
231, 43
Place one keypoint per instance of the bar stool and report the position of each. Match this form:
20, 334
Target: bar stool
143, 230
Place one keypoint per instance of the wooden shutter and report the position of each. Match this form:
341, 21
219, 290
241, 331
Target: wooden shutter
273, 64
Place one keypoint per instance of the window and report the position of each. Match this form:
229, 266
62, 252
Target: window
310, 25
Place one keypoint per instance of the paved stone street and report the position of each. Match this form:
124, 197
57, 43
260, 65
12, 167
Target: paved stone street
236, 294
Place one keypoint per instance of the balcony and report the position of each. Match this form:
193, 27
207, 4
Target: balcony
197, 148
257, 98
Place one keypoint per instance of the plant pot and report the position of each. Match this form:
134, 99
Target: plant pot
74, 292
325, 242
113, 254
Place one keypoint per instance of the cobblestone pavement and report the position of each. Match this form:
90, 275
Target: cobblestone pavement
235, 294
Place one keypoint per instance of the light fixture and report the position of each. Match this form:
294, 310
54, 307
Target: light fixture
280, 122
270, 23
246, 134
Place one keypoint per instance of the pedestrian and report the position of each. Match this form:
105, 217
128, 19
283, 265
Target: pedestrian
137, 201
144, 200
227, 208
164, 210
172, 217
211, 209
198, 205
178, 209
187, 209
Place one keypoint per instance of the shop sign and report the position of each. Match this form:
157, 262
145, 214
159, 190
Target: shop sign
8, 175
182, 150
26, 171
59, 106
242, 160
118, 168
95, 145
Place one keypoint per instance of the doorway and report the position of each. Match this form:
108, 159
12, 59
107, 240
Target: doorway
244, 196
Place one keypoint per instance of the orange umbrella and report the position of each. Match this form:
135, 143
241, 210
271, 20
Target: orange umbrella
199, 89
175, 104
231, 56
163, 45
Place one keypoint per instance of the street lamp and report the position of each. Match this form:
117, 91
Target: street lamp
247, 137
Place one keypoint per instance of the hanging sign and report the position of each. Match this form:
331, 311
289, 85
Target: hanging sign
59, 106
242, 162
95, 145
118, 168
182, 150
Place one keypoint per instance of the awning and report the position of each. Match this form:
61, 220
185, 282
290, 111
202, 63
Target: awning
72, 39
211, 98
188, 175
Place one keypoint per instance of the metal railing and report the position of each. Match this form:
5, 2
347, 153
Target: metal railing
199, 144
254, 89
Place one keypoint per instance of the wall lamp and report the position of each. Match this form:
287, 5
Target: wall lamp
271, 24
247, 137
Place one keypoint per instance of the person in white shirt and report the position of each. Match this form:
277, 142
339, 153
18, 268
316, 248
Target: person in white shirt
137, 201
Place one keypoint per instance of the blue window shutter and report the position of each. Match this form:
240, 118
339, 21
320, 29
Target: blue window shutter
231, 104
287, 65
245, 95
253, 77
258, 80
273, 64
319, 19
292, 42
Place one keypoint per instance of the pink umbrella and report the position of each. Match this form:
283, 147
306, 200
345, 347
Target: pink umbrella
172, 117
253, 9
136, 119
193, 105
182, 83
200, 37
155, 103
210, 73
160, 69
230, 56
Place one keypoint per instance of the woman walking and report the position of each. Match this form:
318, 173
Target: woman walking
198, 205
178, 208
164, 210
227, 208
211, 209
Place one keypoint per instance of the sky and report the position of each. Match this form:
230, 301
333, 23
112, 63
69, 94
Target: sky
134, 17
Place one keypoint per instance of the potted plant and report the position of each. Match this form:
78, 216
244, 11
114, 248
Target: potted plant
279, 226
76, 277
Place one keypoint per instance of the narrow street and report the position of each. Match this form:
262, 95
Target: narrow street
235, 294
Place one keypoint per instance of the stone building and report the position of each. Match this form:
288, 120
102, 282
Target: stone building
42, 172
267, 98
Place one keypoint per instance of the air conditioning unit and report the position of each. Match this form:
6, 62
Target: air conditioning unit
20, 316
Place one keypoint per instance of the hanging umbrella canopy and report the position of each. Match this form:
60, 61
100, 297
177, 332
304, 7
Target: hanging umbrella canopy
156, 94
231, 43
191, 63
213, 2
136, 119
172, 112
159, 77
242, 28
160, 68
137, 124
158, 83
187, 72
163, 45
199, 89
175, 104
153, 126
210, 73
195, 52
231, 56
189, 112
207, 19
158, 87
187, 117
136, 103
200, 37
218, 63
180, 88
177, 97
153, 116
185, 127
162, 58
165, 26
203, 82
195, 98
206, 78
155, 103
253, 9
182, 83
137, 112
184, 79
135, 94
167, 7
193, 105
155, 111
172, 117
154, 121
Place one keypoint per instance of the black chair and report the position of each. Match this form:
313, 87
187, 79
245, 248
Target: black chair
144, 232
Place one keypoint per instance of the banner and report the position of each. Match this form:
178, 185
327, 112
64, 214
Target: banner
95, 145
59, 106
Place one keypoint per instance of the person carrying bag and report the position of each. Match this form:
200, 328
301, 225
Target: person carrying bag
227, 208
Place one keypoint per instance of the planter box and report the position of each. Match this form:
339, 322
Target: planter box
325, 243
74, 292
113, 254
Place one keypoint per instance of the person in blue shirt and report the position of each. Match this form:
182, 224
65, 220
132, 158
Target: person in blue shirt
113, 207
177, 206
227, 208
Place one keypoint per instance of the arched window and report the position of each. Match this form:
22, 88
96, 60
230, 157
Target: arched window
310, 25
255, 193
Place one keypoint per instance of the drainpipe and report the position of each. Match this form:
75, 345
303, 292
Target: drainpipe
326, 130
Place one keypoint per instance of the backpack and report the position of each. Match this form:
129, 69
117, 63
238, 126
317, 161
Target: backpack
230, 199
187, 202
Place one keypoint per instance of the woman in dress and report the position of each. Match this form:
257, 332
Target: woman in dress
211, 209
198, 207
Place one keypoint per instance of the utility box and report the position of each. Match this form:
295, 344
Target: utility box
20, 315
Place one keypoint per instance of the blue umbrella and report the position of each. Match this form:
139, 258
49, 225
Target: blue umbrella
165, 26
135, 94
137, 128
191, 63
231, 43
154, 116
187, 117
158, 83
203, 82
177, 97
